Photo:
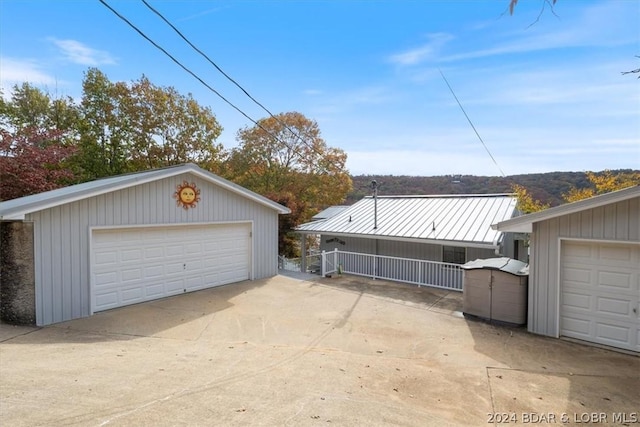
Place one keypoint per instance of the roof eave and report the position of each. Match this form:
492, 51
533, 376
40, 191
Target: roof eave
468, 244
524, 224
19, 213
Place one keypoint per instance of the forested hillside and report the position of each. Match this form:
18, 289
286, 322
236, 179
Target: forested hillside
546, 187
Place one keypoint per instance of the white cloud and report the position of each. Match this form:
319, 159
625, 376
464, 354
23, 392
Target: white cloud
16, 71
79, 53
423, 53
608, 24
349, 100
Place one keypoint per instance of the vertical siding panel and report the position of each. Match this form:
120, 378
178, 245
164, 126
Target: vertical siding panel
39, 261
609, 223
552, 276
74, 265
586, 224
65, 264
597, 223
634, 219
542, 280
56, 271
621, 219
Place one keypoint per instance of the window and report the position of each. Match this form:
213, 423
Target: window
454, 254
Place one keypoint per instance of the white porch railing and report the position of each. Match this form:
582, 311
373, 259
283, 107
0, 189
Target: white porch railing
313, 263
419, 272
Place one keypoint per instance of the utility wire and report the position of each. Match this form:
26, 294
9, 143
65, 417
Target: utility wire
205, 56
471, 123
157, 46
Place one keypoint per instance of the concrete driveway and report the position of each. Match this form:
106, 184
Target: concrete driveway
285, 351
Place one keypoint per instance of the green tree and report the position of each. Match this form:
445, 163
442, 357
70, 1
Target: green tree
138, 126
170, 128
286, 159
30, 111
105, 129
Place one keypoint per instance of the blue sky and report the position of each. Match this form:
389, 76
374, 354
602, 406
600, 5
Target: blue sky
544, 96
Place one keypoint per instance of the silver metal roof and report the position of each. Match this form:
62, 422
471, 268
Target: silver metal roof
17, 208
329, 212
454, 218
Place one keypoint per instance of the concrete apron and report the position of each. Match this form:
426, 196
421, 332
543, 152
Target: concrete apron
284, 351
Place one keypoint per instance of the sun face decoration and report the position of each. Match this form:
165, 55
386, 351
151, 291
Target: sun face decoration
187, 195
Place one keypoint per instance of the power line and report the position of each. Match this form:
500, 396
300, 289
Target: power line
205, 56
157, 46
471, 123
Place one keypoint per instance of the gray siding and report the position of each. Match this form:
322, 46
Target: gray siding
401, 249
61, 236
615, 222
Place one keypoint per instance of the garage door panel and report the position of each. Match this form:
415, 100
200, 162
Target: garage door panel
578, 327
108, 258
599, 292
174, 268
154, 253
614, 306
173, 287
109, 299
578, 250
620, 280
612, 334
577, 275
106, 279
135, 265
131, 255
154, 290
173, 251
131, 294
617, 254
577, 301
154, 271
131, 275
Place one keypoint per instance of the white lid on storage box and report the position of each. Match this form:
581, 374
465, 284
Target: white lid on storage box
508, 265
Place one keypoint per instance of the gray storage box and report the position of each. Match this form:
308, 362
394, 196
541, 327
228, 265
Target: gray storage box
496, 289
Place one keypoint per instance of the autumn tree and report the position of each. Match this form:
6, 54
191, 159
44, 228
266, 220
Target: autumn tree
285, 158
37, 139
32, 161
526, 203
603, 182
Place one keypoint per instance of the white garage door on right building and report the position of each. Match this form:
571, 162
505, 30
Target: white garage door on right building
600, 293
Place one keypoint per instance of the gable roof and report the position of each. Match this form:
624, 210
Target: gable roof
460, 220
524, 224
18, 208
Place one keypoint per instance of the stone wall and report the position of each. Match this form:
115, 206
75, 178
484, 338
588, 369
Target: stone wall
17, 280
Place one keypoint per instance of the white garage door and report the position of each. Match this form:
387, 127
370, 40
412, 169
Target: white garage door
133, 265
600, 293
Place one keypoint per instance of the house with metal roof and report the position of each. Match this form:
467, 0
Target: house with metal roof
71, 252
445, 228
584, 269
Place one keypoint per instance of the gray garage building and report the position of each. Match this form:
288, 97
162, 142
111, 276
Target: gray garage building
71, 252
584, 280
